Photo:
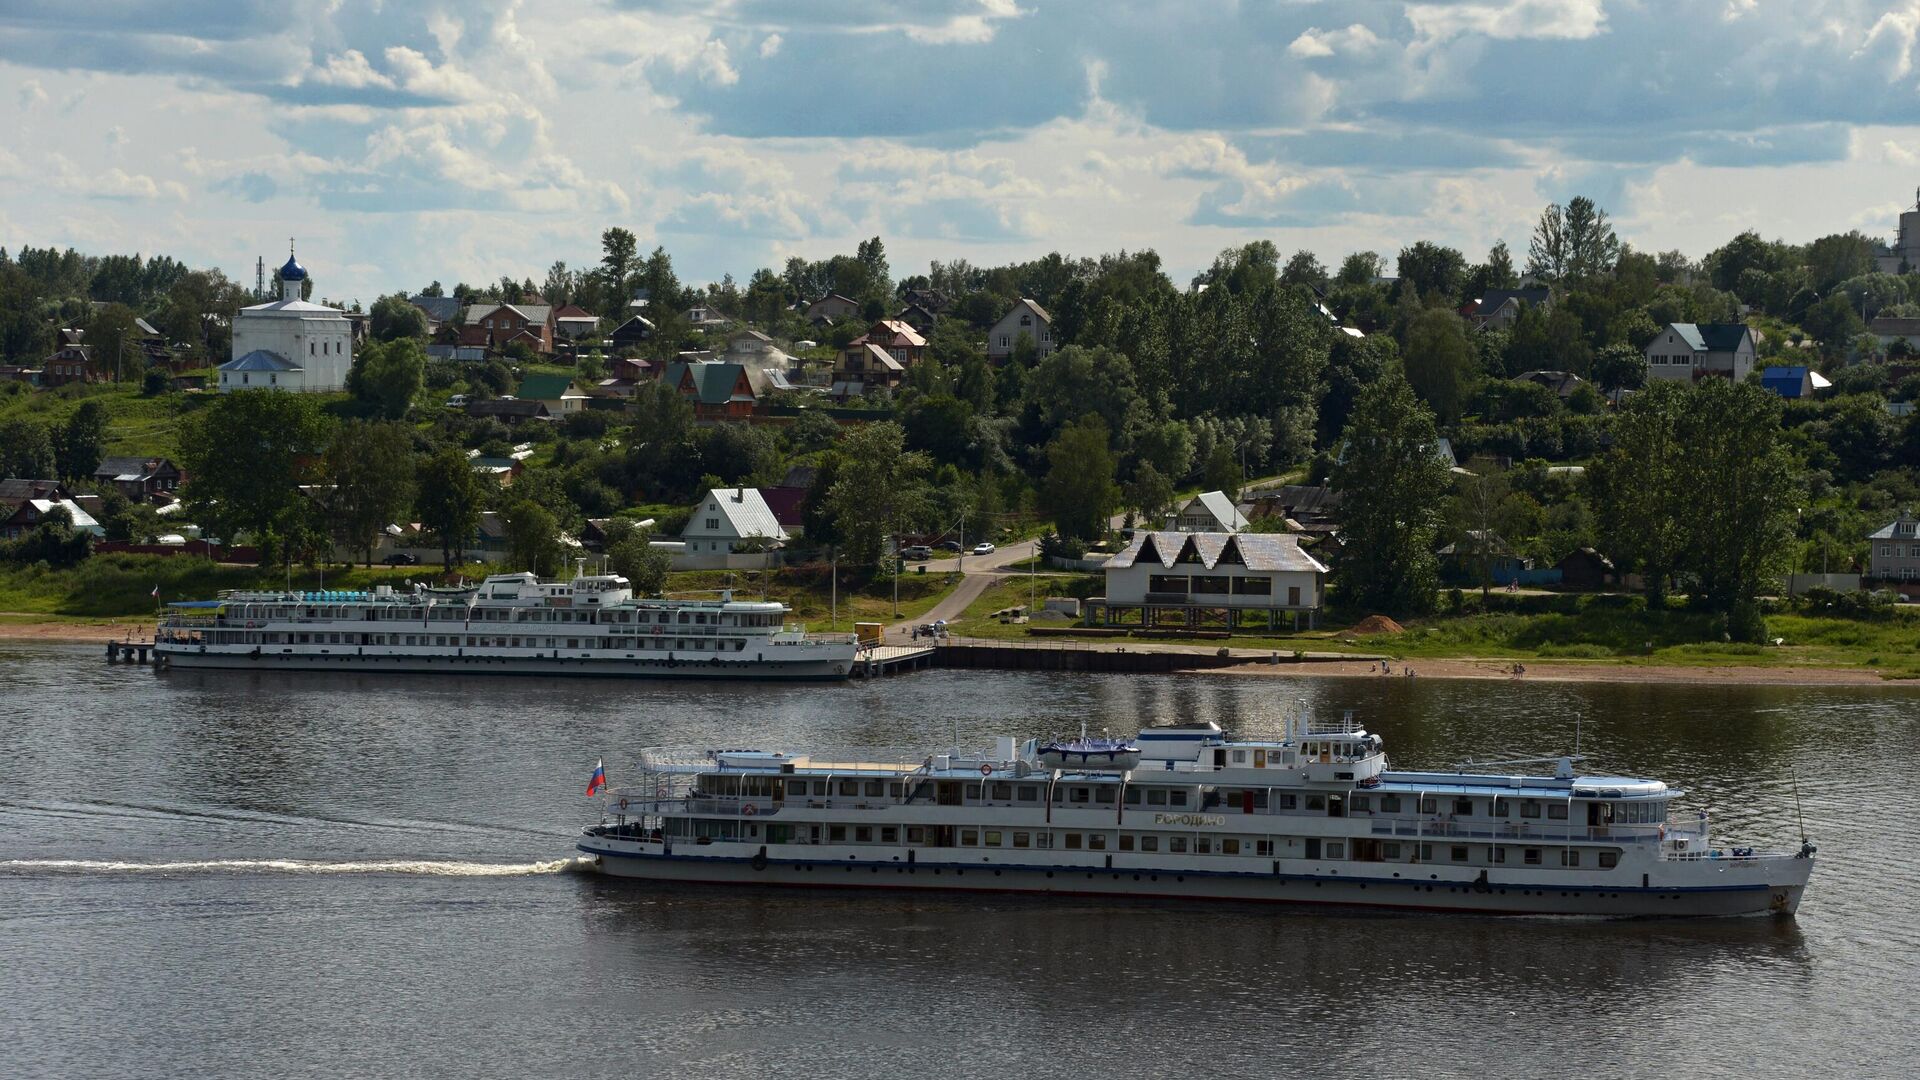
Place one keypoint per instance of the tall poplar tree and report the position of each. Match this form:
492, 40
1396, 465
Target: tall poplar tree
1392, 480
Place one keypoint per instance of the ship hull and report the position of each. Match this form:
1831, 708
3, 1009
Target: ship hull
821, 669
1343, 890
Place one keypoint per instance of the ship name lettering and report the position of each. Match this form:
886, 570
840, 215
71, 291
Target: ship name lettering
1189, 819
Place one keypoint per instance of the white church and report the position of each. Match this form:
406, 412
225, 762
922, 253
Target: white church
289, 344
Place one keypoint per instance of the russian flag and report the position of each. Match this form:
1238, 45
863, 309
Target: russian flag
599, 778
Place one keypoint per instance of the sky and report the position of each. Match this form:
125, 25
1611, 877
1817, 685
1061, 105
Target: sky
404, 142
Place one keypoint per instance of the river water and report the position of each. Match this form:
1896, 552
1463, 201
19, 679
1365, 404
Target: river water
224, 874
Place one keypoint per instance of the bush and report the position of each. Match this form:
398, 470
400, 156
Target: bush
155, 383
1746, 624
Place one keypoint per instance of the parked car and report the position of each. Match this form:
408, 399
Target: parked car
401, 558
457, 401
916, 551
948, 545
984, 548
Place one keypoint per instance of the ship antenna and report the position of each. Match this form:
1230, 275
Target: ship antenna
1576, 734
1794, 775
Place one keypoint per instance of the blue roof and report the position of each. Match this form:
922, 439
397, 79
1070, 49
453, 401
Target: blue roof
1795, 373
260, 360
293, 271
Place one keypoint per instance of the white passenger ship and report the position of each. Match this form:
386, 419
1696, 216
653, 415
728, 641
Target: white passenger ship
1313, 818
509, 624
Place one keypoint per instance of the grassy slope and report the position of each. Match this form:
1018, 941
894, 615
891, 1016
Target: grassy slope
109, 586
808, 592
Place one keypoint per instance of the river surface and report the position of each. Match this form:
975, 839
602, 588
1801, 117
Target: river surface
226, 874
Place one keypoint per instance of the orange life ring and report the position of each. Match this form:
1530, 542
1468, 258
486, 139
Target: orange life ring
623, 804
749, 810
986, 770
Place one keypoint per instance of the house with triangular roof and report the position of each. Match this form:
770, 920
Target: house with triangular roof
1209, 511
732, 528
1028, 320
1193, 579
1689, 352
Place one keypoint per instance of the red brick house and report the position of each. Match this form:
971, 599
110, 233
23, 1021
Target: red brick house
495, 326
901, 341
70, 361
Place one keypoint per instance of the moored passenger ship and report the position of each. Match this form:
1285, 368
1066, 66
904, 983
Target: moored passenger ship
509, 624
1315, 817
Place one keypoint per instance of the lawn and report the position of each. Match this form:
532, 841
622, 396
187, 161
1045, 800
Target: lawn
810, 595
136, 424
110, 586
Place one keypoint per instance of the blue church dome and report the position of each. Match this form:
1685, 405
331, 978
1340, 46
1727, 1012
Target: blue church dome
293, 271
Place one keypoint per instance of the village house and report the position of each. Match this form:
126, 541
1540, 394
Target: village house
574, 323
1585, 568
556, 392
918, 316
732, 528
1261, 580
71, 360
706, 318
497, 326
1028, 320
508, 410
1893, 552
860, 369
723, 389
624, 376
15, 491
1793, 382
1893, 328
1562, 383
1209, 511
141, 479
1464, 561
31, 512
631, 334
900, 341
1500, 308
439, 310
1689, 352
832, 308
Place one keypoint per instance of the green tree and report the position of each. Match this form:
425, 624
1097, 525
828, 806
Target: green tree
1430, 269
1079, 492
246, 455
1149, 493
1572, 243
618, 250
1620, 367
533, 537
389, 375
393, 318
113, 340
631, 553
25, 450
449, 502
1738, 492
879, 490
1223, 472
1304, 269
1439, 361
1636, 487
81, 442
370, 475
1393, 487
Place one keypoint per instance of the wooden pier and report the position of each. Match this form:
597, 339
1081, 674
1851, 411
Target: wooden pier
892, 660
130, 652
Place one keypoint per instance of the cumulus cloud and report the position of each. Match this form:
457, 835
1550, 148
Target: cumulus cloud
32, 94
1314, 43
769, 45
1513, 20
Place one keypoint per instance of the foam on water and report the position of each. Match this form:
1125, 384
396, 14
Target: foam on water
429, 868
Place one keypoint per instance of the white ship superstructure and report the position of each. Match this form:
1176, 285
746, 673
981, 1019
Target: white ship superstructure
509, 624
1315, 817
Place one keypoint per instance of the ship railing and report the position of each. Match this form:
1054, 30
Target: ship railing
833, 760
1428, 828
807, 640
1735, 854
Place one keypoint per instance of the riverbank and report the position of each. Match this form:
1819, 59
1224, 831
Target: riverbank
1596, 671
21, 626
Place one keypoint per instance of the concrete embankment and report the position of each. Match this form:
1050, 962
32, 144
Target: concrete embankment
1083, 656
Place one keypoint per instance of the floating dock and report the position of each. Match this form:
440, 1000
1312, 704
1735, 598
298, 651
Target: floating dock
892, 660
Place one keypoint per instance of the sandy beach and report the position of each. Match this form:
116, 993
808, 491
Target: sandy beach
14, 627
1576, 671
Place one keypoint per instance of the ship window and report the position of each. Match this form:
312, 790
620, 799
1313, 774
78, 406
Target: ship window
1462, 807
837, 833
819, 787
889, 834
1363, 802
1502, 808
1156, 797
1149, 843
1288, 802
1003, 792
1499, 855
1103, 796
1041, 839
1569, 857
1073, 841
1316, 802
1260, 800
1531, 856
1176, 798
849, 787
1239, 757
895, 789
1077, 794
1230, 846
1390, 851
973, 791
1557, 811
863, 833
875, 788
916, 834
1263, 847
1021, 839
1459, 853
1097, 841
970, 837
1177, 843
1529, 808
1029, 793
1426, 852
1126, 841
1336, 850
1133, 797
1609, 859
